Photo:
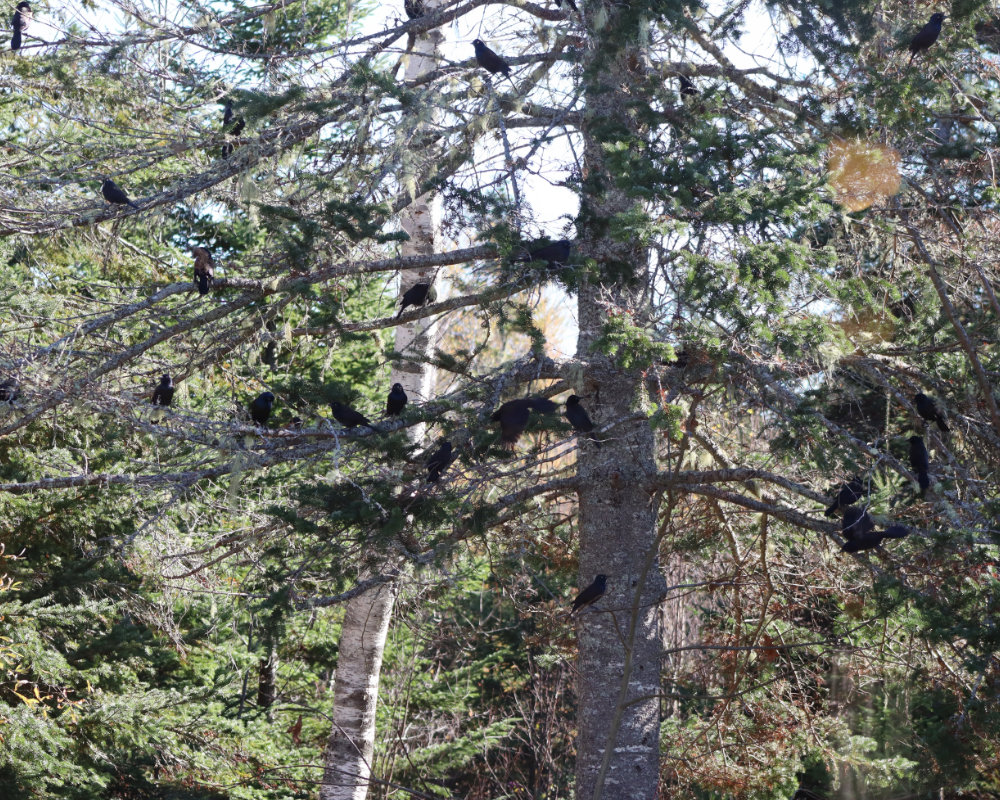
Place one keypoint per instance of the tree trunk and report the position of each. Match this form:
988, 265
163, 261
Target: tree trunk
619, 638
267, 674
351, 746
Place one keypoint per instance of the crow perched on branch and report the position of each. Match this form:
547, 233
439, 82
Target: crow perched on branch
871, 540
490, 61
204, 272
260, 408
163, 395
232, 127
19, 23
396, 401
920, 462
113, 194
513, 416
553, 254
439, 461
417, 295
578, 417
348, 417
849, 493
591, 594
927, 409
687, 88
856, 523
927, 35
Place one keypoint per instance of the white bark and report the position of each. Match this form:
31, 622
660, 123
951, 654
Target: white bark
351, 746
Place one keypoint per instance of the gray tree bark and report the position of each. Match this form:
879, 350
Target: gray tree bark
620, 643
351, 747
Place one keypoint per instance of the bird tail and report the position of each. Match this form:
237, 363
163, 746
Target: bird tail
942, 424
832, 510
925, 482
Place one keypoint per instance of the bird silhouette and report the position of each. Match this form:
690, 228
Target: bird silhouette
114, 194
232, 127
553, 254
578, 417
849, 493
927, 35
414, 8
856, 523
872, 539
920, 462
19, 23
396, 401
417, 295
163, 395
591, 594
490, 61
514, 415
260, 408
928, 410
439, 461
688, 89
204, 272
348, 417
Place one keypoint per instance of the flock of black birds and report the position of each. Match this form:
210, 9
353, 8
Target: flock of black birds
513, 416
857, 527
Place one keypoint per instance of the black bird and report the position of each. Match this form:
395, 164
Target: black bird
163, 395
8, 390
591, 594
490, 61
929, 411
260, 408
231, 127
513, 416
204, 272
439, 461
856, 523
348, 417
554, 254
578, 417
687, 88
113, 194
570, 3
414, 8
396, 401
417, 295
19, 22
920, 462
868, 541
927, 35
849, 493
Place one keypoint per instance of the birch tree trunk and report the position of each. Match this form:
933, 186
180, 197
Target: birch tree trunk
351, 746
619, 638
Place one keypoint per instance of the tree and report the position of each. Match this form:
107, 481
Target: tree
759, 294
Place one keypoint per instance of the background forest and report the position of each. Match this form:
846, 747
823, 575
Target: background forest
782, 231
